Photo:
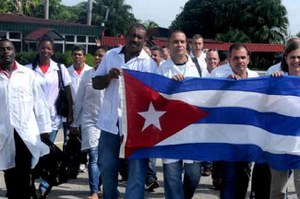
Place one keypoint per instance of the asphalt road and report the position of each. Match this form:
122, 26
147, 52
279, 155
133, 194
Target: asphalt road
79, 188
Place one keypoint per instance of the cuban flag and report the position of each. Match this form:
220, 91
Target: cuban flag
254, 120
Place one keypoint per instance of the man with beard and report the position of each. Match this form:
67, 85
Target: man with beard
131, 56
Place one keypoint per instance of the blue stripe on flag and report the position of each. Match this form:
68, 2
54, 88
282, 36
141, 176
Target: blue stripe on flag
220, 152
235, 115
271, 122
276, 86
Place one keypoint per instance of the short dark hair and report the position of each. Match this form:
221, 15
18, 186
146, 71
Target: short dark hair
105, 48
237, 46
288, 49
174, 32
45, 38
197, 36
223, 56
7, 40
136, 26
78, 48
155, 48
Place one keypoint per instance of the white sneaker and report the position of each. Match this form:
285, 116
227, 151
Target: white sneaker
82, 168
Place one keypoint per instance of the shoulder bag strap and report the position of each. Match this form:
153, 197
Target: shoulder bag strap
195, 60
60, 78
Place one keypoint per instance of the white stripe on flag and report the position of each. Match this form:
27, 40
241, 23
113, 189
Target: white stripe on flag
252, 100
235, 134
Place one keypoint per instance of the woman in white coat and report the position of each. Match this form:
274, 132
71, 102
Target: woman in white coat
24, 115
46, 72
86, 112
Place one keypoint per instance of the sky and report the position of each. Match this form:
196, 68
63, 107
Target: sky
163, 14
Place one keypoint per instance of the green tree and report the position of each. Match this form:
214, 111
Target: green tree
119, 15
36, 8
6, 6
261, 21
150, 24
21, 7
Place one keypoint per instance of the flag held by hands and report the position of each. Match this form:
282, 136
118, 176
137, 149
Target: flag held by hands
255, 119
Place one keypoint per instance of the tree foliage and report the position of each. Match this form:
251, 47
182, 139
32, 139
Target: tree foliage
118, 21
150, 24
119, 18
260, 21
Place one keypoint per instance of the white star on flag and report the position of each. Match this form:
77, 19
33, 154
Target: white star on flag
151, 117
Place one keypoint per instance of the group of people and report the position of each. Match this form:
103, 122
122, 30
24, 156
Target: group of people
29, 93
29, 116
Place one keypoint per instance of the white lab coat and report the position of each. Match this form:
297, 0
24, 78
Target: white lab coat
23, 108
86, 111
49, 85
76, 78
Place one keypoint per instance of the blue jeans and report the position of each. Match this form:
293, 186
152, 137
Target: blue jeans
137, 170
192, 175
235, 178
93, 170
108, 163
43, 184
174, 188
151, 171
173, 180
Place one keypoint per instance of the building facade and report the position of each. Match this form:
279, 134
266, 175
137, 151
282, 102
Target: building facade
25, 32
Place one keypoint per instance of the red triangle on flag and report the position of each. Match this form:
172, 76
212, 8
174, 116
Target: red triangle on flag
176, 115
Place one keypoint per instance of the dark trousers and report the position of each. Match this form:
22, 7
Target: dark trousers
17, 179
261, 181
82, 155
235, 177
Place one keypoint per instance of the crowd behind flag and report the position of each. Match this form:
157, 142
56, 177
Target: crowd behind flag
255, 119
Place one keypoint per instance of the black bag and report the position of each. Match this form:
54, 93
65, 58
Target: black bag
53, 167
61, 103
72, 150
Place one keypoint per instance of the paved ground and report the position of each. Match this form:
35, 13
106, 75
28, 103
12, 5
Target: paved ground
79, 189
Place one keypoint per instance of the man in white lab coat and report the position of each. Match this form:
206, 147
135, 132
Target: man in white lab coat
24, 116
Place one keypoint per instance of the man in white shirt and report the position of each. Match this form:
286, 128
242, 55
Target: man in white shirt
24, 116
198, 56
76, 71
131, 56
178, 67
235, 175
156, 55
212, 59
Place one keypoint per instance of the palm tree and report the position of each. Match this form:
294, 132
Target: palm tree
150, 24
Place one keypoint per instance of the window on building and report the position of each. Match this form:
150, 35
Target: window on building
92, 39
70, 38
69, 47
92, 49
17, 45
81, 39
2, 34
14, 35
32, 46
58, 47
